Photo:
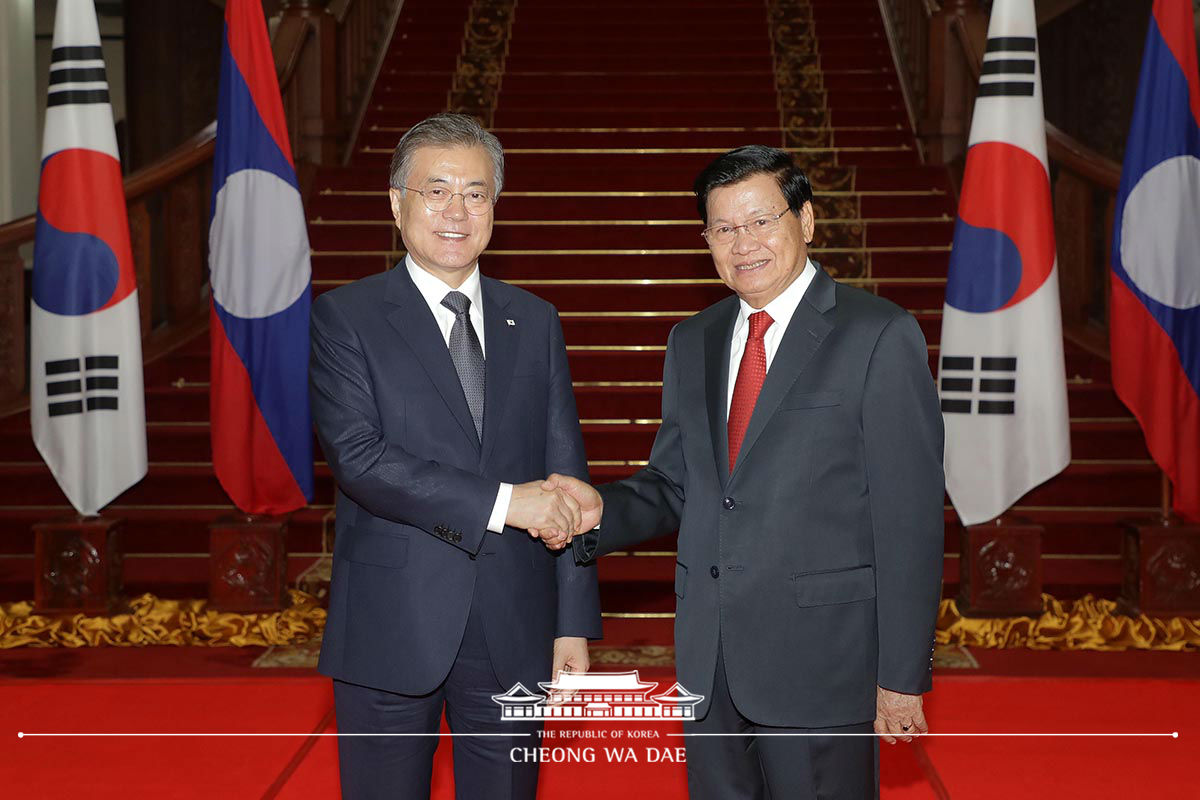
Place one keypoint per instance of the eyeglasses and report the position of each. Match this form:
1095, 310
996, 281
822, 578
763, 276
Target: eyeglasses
757, 227
476, 201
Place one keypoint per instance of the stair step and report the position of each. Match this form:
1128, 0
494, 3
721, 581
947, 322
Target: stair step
160, 527
1082, 531
637, 234
679, 204
379, 137
911, 177
165, 403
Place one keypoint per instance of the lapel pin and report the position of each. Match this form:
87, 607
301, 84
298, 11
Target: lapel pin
512, 323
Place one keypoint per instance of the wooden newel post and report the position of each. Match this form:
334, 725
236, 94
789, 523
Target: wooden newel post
248, 563
77, 564
318, 123
943, 125
1161, 558
12, 323
1001, 569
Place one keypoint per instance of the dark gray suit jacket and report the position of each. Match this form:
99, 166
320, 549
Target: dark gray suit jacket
817, 563
416, 486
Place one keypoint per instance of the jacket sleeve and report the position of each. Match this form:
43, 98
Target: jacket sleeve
902, 431
649, 503
578, 589
387, 481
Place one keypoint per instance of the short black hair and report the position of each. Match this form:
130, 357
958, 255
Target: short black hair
754, 159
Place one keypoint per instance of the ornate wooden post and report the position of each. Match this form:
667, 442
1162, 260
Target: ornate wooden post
12, 323
944, 126
1162, 565
317, 122
248, 563
77, 563
1001, 569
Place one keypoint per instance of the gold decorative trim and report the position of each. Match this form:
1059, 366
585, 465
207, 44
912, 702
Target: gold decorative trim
672, 193
1086, 624
152, 620
820, 222
687, 251
639, 151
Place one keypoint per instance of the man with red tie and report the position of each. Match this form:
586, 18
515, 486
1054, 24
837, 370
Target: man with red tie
799, 458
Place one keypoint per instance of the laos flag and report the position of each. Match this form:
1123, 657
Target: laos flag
87, 407
1155, 310
1001, 376
259, 265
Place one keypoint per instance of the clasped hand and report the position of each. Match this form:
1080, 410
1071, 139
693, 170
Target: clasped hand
555, 510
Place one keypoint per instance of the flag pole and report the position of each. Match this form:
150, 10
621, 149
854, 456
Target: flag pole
1165, 508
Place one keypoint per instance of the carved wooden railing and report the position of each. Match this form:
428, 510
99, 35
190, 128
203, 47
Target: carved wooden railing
326, 54
939, 49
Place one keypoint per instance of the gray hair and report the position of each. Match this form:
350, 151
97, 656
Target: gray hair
444, 130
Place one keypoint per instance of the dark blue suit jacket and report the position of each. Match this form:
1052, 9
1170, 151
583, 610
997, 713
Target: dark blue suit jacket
416, 487
816, 565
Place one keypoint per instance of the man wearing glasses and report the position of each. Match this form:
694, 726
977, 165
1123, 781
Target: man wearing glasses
442, 399
799, 457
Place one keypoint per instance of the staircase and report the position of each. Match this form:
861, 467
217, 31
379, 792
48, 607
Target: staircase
607, 111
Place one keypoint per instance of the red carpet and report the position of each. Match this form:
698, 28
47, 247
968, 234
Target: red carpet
302, 767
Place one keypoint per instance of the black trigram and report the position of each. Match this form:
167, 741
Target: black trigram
71, 391
1006, 59
995, 383
77, 76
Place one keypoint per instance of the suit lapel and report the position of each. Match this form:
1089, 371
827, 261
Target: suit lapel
805, 332
415, 323
502, 342
717, 337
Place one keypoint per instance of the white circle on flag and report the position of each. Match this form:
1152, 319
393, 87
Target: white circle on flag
258, 245
1160, 233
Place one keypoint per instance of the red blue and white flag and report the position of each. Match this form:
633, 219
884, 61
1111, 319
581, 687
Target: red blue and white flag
1002, 378
87, 407
1154, 318
260, 272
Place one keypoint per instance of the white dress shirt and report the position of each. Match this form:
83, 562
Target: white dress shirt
780, 310
434, 290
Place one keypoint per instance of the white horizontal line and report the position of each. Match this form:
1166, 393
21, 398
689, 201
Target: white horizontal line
79, 63
1172, 734
23, 735
78, 87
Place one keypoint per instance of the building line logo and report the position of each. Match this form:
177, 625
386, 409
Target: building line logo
598, 696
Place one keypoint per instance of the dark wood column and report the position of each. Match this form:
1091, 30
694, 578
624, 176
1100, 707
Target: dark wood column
172, 66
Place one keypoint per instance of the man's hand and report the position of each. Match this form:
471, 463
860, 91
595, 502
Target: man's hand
570, 655
590, 504
536, 508
898, 716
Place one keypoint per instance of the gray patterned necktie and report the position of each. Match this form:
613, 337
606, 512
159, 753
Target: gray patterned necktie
467, 355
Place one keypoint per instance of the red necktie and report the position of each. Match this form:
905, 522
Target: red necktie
751, 374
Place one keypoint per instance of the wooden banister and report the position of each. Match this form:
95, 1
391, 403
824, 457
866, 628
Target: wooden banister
322, 53
941, 84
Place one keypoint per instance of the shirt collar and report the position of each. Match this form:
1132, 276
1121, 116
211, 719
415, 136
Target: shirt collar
434, 289
782, 307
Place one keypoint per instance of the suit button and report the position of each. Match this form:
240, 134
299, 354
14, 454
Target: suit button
716, 573
730, 504
458, 537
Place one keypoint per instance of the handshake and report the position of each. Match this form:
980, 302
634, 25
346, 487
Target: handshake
555, 510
